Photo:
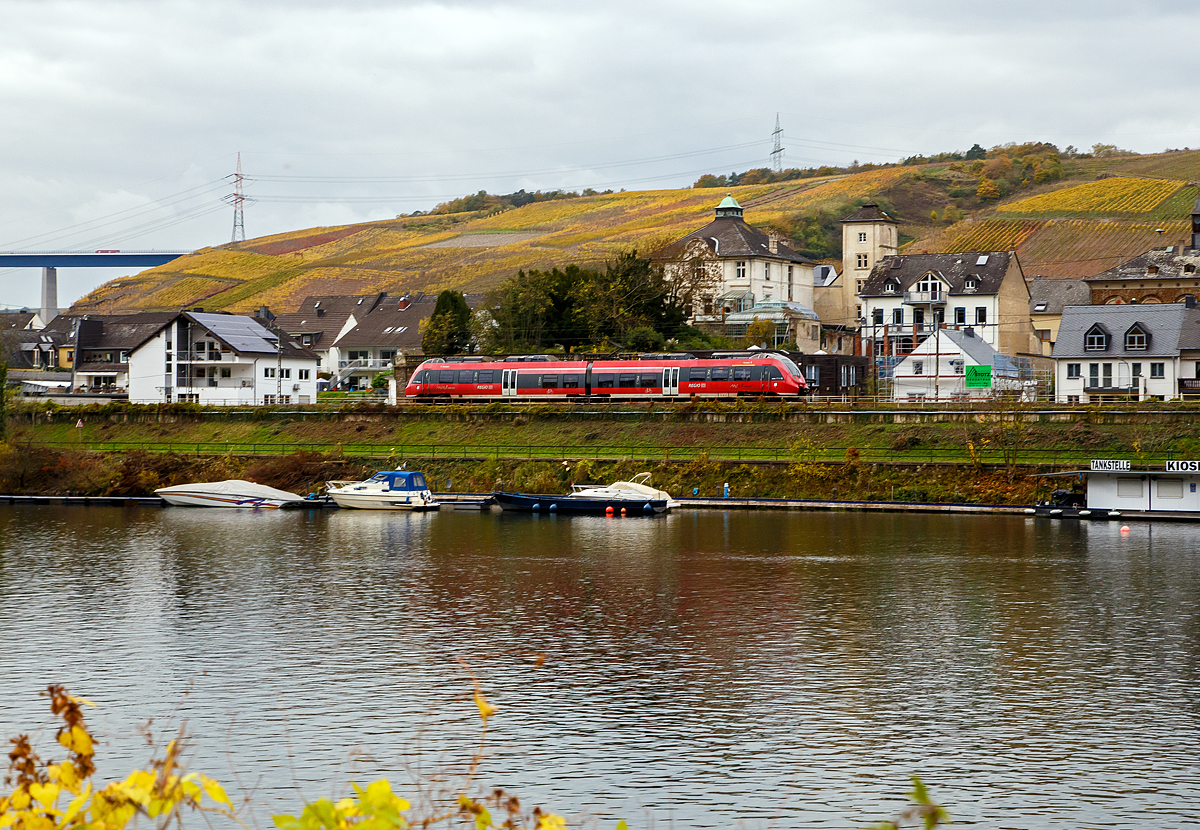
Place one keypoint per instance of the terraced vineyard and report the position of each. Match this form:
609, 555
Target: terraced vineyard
1077, 229
1122, 196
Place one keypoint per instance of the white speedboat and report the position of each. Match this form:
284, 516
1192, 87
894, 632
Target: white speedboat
636, 489
386, 490
230, 493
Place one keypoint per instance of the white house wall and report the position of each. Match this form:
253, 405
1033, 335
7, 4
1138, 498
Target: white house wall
148, 374
774, 289
1070, 390
988, 332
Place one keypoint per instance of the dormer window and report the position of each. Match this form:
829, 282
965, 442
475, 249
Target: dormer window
1137, 338
1096, 339
930, 286
971, 284
890, 286
1189, 269
1151, 269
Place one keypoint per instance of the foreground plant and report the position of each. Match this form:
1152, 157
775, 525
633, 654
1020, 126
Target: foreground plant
160, 793
163, 792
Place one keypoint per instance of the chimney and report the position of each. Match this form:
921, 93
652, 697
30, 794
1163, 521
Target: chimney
773, 242
1189, 301
969, 331
1196, 224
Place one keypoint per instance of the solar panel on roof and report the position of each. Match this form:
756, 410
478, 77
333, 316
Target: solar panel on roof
241, 333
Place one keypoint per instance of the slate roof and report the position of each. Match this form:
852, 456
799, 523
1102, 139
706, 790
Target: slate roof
1171, 263
113, 333
16, 319
1050, 296
824, 275
1172, 327
975, 347
394, 323
870, 212
324, 317
729, 237
18, 347
954, 269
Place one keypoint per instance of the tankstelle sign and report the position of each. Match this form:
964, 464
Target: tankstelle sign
1110, 465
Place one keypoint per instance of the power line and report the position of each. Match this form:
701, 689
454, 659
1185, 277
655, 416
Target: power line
777, 150
116, 217
238, 198
493, 175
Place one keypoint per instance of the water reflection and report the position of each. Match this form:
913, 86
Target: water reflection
707, 667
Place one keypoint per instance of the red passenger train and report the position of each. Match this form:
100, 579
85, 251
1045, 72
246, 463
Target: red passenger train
546, 380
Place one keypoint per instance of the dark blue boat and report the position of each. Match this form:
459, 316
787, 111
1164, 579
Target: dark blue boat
580, 505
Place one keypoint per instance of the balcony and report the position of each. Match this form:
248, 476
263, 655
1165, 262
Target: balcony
929, 298
203, 357
372, 363
223, 383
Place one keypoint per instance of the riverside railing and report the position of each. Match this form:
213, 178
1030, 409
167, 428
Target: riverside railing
632, 452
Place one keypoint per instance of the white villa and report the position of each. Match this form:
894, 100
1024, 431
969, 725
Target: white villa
220, 360
1106, 352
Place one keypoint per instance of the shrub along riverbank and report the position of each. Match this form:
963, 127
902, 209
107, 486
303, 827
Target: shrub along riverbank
981, 456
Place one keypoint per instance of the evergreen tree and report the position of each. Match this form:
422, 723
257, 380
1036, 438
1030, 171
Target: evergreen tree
448, 330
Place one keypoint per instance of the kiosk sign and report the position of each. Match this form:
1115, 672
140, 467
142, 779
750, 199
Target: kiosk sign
1110, 465
1183, 466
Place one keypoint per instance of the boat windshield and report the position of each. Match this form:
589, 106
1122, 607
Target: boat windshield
790, 365
417, 482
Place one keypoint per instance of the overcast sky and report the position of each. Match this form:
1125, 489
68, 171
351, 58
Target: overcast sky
120, 122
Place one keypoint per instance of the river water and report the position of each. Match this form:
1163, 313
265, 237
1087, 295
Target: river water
703, 669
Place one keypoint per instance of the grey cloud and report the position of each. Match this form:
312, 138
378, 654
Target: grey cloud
108, 104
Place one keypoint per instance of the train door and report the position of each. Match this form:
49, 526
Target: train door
670, 381
508, 382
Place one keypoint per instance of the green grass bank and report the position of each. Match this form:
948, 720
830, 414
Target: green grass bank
982, 455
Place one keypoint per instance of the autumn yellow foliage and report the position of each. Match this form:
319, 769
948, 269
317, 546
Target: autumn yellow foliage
62, 795
1115, 195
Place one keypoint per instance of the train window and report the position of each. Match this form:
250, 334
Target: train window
549, 381
773, 373
570, 381
741, 372
697, 374
525, 381
604, 381
654, 379
466, 376
483, 376
419, 377
720, 373
446, 376
627, 381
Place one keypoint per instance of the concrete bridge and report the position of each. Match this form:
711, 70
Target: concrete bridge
51, 261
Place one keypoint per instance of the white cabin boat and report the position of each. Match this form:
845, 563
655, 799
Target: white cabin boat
386, 490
